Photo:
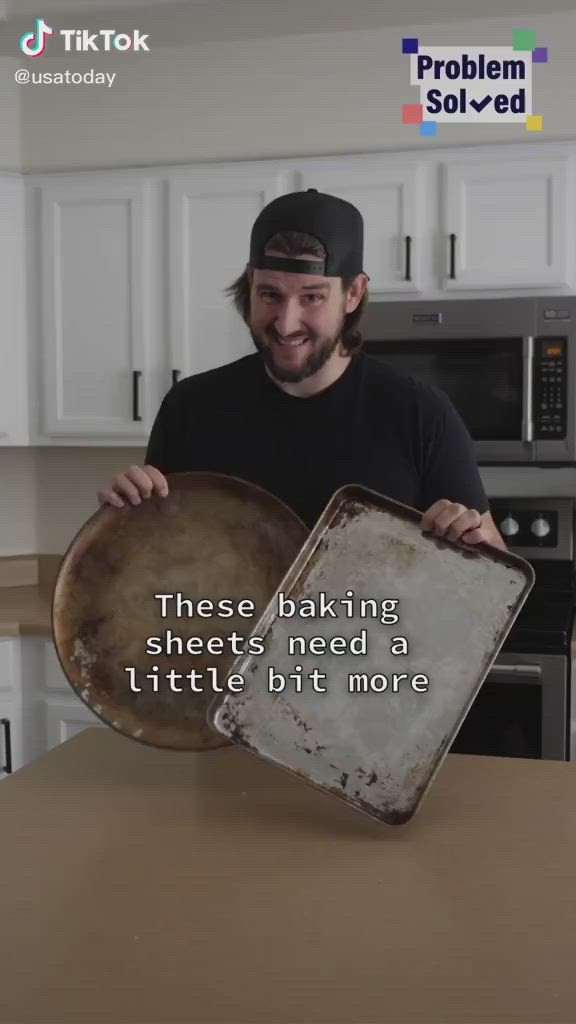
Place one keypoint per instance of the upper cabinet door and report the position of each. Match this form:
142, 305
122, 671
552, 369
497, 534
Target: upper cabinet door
507, 223
97, 313
14, 423
212, 211
389, 195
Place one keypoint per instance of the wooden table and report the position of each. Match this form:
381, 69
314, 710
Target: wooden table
140, 885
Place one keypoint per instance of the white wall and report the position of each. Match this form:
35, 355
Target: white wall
46, 494
18, 501
309, 94
10, 117
67, 482
315, 94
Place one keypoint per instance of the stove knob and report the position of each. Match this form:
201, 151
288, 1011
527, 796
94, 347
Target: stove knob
540, 528
509, 526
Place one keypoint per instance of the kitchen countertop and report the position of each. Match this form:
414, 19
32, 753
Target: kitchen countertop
141, 886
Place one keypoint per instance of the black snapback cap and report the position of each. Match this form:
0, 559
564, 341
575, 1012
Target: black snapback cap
333, 221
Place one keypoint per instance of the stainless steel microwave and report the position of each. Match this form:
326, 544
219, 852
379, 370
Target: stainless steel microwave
508, 366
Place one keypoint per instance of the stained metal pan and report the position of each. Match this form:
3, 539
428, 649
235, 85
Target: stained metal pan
376, 748
213, 538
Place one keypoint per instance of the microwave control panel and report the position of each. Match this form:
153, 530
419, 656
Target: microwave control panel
549, 389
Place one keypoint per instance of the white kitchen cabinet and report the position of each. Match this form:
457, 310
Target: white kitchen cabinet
390, 195
38, 707
9, 665
10, 737
14, 404
127, 270
10, 707
508, 223
65, 714
210, 218
53, 679
66, 718
99, 330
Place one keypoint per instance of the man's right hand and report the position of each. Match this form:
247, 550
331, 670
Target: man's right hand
136, 483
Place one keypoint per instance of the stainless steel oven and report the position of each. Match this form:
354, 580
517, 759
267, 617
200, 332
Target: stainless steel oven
508, 365
524, 707
521, 710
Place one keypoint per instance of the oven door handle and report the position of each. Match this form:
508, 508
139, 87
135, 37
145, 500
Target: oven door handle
527, 388
516, 670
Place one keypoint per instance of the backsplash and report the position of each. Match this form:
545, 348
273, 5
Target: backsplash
47, 494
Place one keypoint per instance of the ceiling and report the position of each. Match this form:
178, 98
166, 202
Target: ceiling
185, 22
19, 8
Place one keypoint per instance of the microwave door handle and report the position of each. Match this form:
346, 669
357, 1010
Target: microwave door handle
527, 388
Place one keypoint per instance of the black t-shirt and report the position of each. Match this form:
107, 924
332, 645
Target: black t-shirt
373, 427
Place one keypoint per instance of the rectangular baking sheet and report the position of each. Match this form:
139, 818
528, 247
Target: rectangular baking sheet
377, 750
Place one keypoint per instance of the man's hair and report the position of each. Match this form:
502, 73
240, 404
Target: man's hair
295, 243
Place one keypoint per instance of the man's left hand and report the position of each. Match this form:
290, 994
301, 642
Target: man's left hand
455, 522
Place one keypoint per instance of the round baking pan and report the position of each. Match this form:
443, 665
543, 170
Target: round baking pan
213, 539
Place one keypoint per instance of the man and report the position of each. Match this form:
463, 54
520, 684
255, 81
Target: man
309, 411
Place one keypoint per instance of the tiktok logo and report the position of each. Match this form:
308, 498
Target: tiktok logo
33, 44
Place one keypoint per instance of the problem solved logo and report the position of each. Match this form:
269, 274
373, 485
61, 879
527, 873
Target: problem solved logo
473, 84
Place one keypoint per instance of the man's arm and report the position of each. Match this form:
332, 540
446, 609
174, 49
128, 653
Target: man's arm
164, 436
156, 449
453, 494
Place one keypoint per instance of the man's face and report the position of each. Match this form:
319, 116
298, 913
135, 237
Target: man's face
296, 321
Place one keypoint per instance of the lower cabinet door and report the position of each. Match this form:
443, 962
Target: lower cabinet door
10, 737
66, 718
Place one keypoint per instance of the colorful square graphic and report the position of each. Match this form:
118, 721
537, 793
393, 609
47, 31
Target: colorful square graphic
524, 39
466, 98
412, 113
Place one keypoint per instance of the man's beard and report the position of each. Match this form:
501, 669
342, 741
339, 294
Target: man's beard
322, 349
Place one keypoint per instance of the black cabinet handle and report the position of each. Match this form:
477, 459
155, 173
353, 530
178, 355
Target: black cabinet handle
408, 244
453, 256
135, 377
8, 746
175, 375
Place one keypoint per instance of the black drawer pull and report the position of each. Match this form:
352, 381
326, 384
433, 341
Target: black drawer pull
7, 745
453, 256
408, 244
135, 377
